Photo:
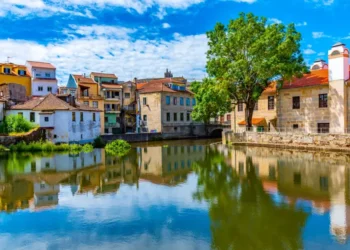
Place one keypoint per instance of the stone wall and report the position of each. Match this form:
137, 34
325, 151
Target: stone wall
335, 142
35, 135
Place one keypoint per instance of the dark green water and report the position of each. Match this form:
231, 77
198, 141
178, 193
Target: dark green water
176, 195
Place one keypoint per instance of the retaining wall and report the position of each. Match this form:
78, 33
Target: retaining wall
35, 135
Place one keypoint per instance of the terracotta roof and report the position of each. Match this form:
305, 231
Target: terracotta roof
111, 86
82, 79
255, 121
160, 87
43, 65
316, 77
140, 85
49, 102
271, 89
107, 75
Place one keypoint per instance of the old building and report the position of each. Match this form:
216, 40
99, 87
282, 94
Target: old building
129, 106
43, 78
14, 73
61, 121
165, 106
13, 92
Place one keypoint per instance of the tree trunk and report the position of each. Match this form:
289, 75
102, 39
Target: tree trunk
249, 115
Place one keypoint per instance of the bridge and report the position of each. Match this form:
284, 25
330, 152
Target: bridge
215, 129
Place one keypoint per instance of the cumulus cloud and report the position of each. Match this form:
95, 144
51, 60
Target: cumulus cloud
318, 35
274, 20
301, 24
321, 2
166, 25
112, 49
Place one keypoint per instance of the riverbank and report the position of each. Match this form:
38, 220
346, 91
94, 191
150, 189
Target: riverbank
314, 142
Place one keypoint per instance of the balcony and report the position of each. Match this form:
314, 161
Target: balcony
112, 125
88, 96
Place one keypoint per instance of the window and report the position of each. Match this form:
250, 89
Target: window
95, 104
106, 119
50, 198
7, 70
188, 102
32, 117
81, 116
323, 101
193, 102
182, 117
168, 117
144, 101
145, 118
37, 74
86, 103
181, 101
40, 88
295, 126
49, 89
33, 166
22, 72
93, 117
47, 75
1, 93
297, 179
46, 119
323, 128
296, 102
175, 100
272, 173
228, 118
175, 117
127, 95
256, 107
42, 186
167, 100
145, 166
241, 168
324, 183
240, 106
73, 116
188, 117
47, 164
271, 102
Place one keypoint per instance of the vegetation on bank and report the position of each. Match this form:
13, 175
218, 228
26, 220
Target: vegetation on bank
44, 146
118, 148
14, 124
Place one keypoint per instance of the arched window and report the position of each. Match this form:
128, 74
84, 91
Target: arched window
315, 67
335, 52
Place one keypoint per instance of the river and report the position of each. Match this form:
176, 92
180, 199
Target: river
176, 195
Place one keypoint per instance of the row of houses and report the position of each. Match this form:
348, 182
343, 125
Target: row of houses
91, 105
318, 102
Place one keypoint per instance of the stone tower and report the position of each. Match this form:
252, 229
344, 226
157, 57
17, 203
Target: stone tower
338, 69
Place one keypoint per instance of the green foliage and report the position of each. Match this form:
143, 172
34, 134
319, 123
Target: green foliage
44, 146
212, 100
247, 54
99, 142
16, 124
118, 148
87, 148
3, 149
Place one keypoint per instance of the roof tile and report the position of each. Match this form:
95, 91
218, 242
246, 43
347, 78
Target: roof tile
44, 65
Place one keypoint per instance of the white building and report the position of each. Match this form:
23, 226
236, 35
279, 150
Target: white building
43, 78
62, 122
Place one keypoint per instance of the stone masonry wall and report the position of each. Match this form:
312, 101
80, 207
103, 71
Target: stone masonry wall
35, 135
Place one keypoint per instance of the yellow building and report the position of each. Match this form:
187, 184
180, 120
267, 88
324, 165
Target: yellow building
14, 73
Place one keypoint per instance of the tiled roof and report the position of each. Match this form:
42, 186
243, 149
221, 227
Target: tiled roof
49, 103
107, 75
255, 121
43, 65
82, 79
159, 86
111, 86
316, 77
271, 89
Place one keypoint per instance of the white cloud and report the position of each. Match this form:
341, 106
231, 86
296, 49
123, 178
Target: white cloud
245, 1
318, 35
166, 25
309, 51
321, 54
111, 49
301, 24
321, 2
274, 20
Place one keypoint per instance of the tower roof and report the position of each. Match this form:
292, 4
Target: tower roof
338, 44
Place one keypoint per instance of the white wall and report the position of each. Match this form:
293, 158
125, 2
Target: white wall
41, 73
45, 85
2, 112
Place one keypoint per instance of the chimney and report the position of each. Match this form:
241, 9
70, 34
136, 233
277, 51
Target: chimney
319, 64
135, 80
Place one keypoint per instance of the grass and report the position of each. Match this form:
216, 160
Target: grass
44, 146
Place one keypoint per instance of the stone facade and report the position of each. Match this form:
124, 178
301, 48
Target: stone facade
13, 92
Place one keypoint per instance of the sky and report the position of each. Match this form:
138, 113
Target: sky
141, 38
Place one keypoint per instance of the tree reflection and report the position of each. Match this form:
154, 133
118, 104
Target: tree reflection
243, 216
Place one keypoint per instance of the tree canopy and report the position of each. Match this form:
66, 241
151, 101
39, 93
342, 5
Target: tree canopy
212, 100
248, 53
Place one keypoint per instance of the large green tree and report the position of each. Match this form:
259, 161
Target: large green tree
248, 53
212, 101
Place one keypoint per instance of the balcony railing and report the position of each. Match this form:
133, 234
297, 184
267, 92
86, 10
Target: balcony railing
112, 125
112, 110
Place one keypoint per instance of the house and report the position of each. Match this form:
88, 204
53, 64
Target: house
62, 122
165, 106
43, 78
129, 106
15, 73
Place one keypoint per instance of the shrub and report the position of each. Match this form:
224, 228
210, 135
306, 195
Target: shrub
87, 148
75, 147
3, 148
118, 147
99, 142
17, 124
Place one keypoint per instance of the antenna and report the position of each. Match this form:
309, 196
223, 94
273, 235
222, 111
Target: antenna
8, 58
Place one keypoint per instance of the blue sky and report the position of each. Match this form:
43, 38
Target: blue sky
141, 38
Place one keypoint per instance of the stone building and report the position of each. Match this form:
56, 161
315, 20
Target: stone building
14, 73
165, 106
13, 92
318, 102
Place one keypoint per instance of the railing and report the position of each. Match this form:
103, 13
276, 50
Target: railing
87, 96
112, 110
112, 125
290, 130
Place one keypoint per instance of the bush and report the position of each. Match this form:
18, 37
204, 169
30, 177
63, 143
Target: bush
118, 147
75, 147
99, 142
3, 148
44, 146
87, 148
16, 124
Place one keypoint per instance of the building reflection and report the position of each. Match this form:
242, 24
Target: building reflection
320, 179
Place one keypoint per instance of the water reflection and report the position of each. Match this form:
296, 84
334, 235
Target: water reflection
178, 195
